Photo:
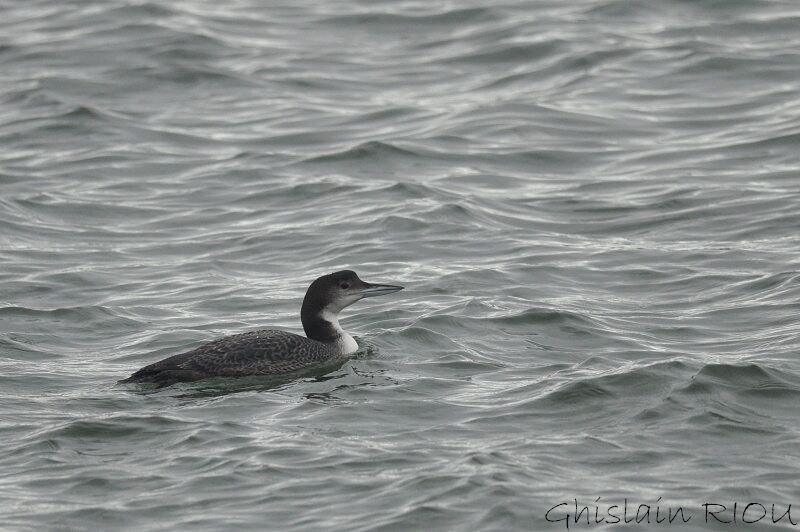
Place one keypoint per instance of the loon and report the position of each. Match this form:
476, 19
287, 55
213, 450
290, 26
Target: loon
270, 351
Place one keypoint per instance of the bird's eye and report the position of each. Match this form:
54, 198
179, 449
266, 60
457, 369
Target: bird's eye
344, 286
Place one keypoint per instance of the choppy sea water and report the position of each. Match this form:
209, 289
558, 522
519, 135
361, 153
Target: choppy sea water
594, 206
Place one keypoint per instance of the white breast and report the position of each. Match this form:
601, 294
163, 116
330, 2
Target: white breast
346, 344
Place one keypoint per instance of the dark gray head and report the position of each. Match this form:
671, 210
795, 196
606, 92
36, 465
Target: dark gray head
328, 295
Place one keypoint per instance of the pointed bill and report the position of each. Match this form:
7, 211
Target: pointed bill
373, 290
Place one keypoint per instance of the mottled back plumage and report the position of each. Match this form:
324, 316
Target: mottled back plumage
266, 352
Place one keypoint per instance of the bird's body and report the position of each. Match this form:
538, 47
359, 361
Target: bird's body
265, 352
274, 352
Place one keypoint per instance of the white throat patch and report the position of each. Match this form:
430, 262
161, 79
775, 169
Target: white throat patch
346, 344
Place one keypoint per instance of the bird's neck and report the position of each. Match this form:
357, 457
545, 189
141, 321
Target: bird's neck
323, 326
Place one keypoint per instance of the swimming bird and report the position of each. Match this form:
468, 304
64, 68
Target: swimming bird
270, 351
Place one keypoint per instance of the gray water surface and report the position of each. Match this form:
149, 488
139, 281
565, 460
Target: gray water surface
594, 206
